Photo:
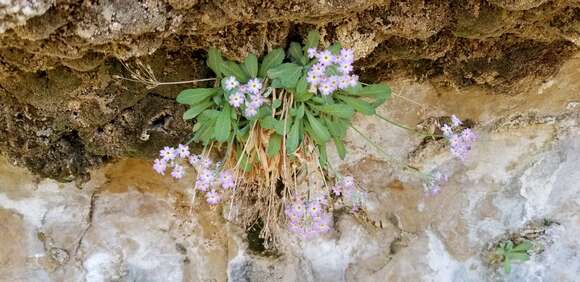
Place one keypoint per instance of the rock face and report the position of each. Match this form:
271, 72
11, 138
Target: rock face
128, 224
509, 68
63, 113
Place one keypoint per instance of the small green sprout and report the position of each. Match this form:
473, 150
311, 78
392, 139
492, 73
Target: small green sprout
507, 253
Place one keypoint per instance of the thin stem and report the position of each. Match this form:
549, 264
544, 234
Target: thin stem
185, 82
395, 123
336, 173
385, 154
407, 128
157, 83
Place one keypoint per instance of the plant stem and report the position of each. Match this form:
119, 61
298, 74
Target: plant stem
395, 123
385, 154
407, 128
156, 83
184, 82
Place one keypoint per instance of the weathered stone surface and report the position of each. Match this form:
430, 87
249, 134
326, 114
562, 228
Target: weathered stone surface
58, 59
128, 224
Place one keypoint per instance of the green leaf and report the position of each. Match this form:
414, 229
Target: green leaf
215, 61
251, 65
523, 246
276, 103
322, 157
274, 145
507, 266
509, 245
354, 90
296, 52
230, 68
287, 73
518, 256
196, 109
207, 132
381, 91
208, 115
339, 110
276, 83
223, 125
263, 112
340, 149
217, 99
312, 40
268, 122
302, 93
242, 133
273, 59
195, 95
335, 48
318, 129
358, 104
292, 140
300, 112
279, 126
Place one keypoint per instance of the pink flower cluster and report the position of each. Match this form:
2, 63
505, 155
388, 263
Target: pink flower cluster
170, 157
460, 142
308, 218
246, 96
211, 179
351, 196
331, 72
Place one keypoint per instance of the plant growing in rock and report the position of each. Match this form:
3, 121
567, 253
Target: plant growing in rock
270, 121
506, 253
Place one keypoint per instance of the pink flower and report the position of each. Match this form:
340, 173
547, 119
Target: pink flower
236, 99
256, 100
250, 111
308, 219
206, 176
206, 162
314, 209
326, 58
318, 69
160, 166
346, 56
455, 122
167, 154
227, 180
353, 80
254, 86
311, 52
178, 171
201, 185
230, 83
461, 144
326, 88
447, 131
212, 197
194, 159
182, 151
345, 68
313, 78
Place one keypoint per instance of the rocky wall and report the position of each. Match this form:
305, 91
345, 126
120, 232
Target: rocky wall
62, 112
129, 224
